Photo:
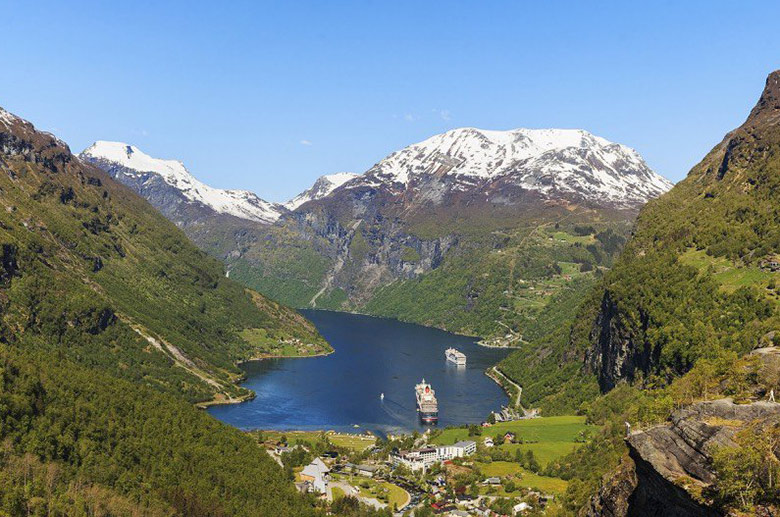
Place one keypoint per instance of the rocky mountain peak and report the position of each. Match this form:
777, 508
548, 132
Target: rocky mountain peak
767, 110
551, 162
321, 188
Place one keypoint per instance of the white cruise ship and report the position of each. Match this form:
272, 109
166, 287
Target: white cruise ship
456, 356
427, 405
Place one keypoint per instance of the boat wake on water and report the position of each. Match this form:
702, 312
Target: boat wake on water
392, 413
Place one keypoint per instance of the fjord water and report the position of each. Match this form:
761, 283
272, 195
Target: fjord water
372, 356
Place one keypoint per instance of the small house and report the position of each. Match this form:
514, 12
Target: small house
521, 507
362, 470
316, 473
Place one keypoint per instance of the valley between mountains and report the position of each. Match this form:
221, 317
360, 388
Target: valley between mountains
642, 321
478, 232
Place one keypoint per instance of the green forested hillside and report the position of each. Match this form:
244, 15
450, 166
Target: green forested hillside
511, 284
699, 276
498, 281
93, 271
79, 442
111, 325
695, 289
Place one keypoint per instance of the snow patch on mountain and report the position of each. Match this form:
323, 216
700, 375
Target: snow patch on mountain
321, 188
239, 203
7, 118
549, 161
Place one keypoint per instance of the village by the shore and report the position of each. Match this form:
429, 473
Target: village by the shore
487, 469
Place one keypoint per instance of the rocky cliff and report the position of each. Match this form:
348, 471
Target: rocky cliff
670, 471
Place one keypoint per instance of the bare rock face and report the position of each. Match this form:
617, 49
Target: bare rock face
615, 354
613, 498
673, 461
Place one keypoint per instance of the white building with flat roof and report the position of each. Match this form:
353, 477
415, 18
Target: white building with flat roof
423, 458
457, 450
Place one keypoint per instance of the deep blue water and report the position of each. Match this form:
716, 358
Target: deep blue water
372, 356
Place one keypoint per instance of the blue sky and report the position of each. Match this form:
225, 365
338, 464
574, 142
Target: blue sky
268, 96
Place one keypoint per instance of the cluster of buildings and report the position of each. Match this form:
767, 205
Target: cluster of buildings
421, 459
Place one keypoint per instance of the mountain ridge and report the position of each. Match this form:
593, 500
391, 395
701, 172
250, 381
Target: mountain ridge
542, 160
135, 166
367, 242
323, 186
473, 155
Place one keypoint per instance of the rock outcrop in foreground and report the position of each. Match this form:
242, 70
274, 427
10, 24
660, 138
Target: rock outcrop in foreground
672, 463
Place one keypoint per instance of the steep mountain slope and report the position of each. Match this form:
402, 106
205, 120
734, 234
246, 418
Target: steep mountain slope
69, 223
111, 324
79, 442
474, 231
700, 274
716, 238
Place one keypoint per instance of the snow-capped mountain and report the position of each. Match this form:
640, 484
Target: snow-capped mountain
552, 162
455, 198
321, 188
137, 169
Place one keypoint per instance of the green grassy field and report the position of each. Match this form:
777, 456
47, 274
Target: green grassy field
383, 491
554, 429
526, 479
353, 442
729, 276
545, 452
549, 438
266, 345
336, 492
500, 468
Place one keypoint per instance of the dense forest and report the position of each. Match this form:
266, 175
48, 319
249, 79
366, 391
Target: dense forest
79, 442
111, 325
106, 280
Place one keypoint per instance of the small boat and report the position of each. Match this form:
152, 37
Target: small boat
381, 396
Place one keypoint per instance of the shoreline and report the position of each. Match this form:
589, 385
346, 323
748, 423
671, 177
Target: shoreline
478, 339
251, 394
230, 400
494, 374
365, 433
272, 356
481, 342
